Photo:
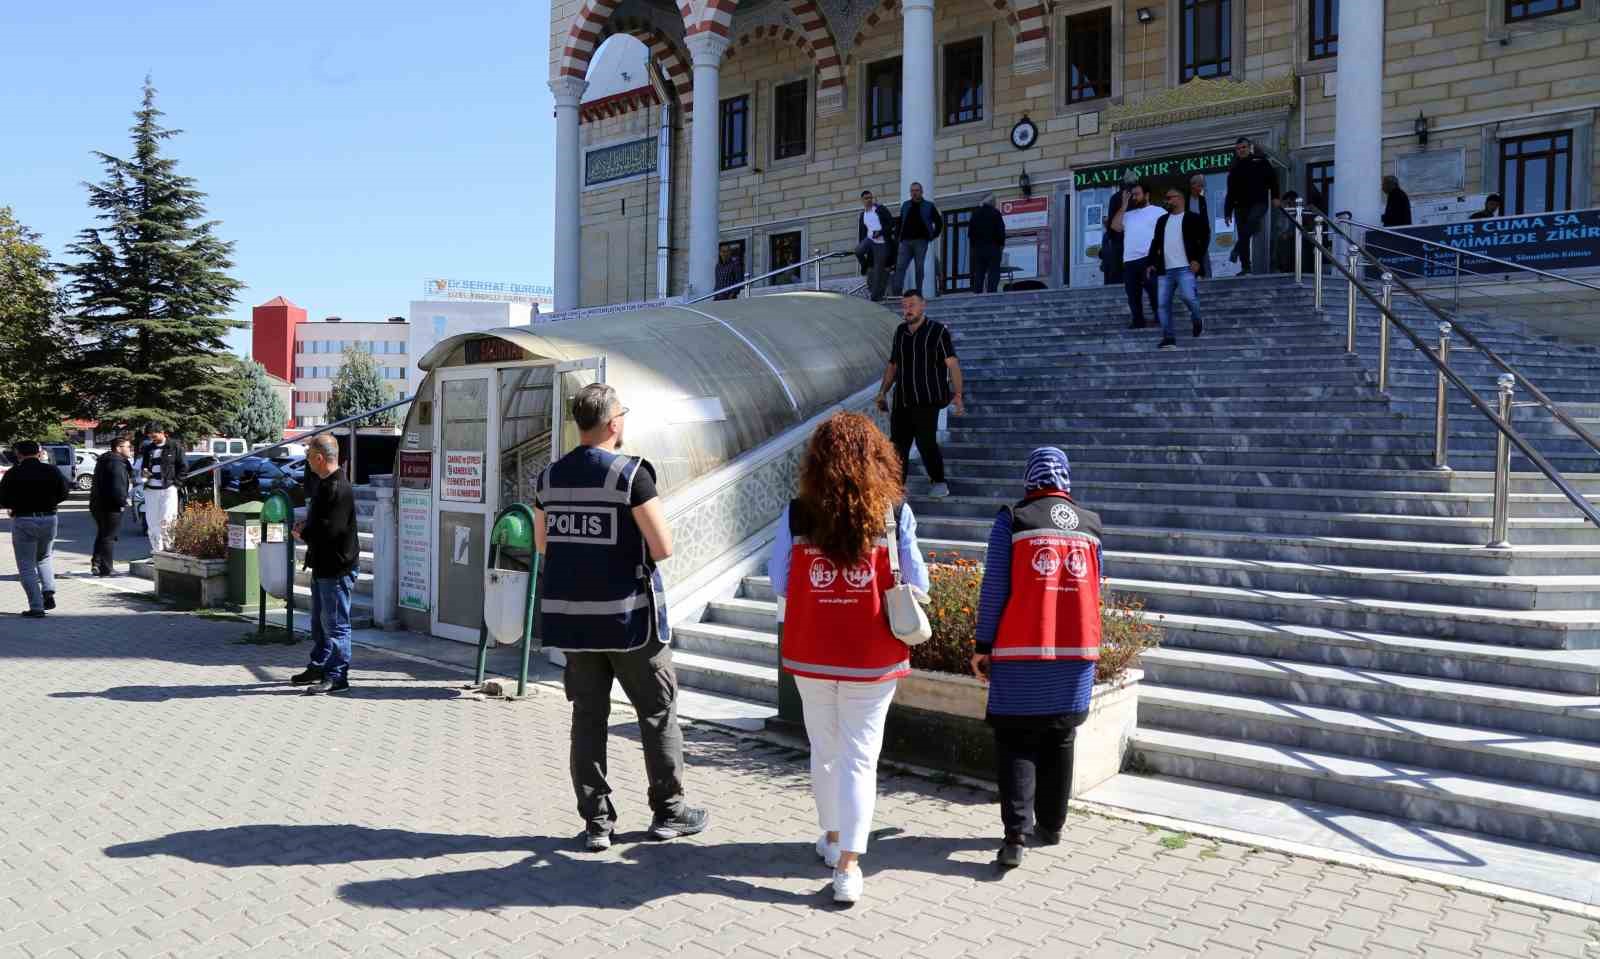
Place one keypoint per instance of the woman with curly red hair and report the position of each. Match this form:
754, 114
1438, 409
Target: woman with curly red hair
831, 563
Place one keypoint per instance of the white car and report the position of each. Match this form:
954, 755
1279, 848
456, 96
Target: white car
83, 469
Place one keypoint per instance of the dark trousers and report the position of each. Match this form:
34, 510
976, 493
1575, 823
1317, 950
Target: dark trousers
986, 268
106, 522
651, 685
920, 425
1251, 248
876, 257
1033, 757
1136, 279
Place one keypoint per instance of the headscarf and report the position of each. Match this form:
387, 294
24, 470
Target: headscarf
1047, 469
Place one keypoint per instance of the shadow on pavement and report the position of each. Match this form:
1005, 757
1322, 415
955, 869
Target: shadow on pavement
161, 694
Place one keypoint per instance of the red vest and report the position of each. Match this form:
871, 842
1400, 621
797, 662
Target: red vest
1054, 608
834, 625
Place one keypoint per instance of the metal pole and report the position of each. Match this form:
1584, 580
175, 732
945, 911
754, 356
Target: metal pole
527, 625
261, 588
350, 474
1502, 466
819, 269
1441, 416
1350, 303
216, 488
1299, 219
1455, 296
1383, 333
1316, 268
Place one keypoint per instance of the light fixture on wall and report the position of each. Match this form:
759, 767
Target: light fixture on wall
1024, 183
1421, 129
1146, 15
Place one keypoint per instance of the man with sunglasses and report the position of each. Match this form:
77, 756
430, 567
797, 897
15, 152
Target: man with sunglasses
602, 532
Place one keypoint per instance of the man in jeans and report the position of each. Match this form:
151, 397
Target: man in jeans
920, 224
926, 377
1136, 221
32, 490
332, 555
1176, 250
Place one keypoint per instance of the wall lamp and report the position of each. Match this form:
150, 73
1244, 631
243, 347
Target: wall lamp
1145, 15
1024, 183
1420, 127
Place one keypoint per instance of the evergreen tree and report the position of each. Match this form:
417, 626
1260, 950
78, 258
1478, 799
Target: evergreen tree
151, 292
359, 387
261, 415
32, 402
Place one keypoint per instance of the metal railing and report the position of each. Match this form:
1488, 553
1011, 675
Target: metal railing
751, 281
1506, 436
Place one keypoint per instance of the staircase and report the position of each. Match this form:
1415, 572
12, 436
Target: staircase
361, 602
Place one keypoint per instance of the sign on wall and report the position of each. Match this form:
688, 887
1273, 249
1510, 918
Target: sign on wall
1545, 241
1031, 213
541, 295
619, 161
415, 549
416, 469
1187, 164
463, 476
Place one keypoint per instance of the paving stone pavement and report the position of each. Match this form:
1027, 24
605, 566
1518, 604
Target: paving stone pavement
163, 791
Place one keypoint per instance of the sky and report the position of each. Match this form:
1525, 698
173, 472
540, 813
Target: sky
350, 149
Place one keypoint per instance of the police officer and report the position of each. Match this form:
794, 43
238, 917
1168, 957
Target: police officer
602, 532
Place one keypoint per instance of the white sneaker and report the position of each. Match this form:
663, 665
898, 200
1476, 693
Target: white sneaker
939, 491
847, 886
827, 851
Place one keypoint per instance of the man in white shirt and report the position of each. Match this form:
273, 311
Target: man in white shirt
1136, 221
875, 244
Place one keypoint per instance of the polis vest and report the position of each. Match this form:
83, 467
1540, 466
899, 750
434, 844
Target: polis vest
600, 592
1054, 608
834, 625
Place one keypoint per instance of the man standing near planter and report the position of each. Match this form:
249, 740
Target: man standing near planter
332, 553
108, 496
32, 490
162, 470
1037, 644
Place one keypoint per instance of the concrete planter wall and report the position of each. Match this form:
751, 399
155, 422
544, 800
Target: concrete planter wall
201, 583
937, 720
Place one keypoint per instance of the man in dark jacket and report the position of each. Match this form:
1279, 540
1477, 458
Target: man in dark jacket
920, 224
162, 470
32, 490
1397, 210
108, 497
987, 234
1252, 189
730, 270
1175, 254
1201, 208
875, 244
332, 555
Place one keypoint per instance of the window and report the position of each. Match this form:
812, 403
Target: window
963, 82
790, 107
1319, 183
1324, 29
1205, 39
784, 249
735, 129
883, 99
1534, 9
1536, 172
1089, 56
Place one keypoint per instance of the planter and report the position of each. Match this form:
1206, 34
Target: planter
198, 583
937, 720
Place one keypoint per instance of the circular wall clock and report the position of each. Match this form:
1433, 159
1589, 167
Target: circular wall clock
1024, 134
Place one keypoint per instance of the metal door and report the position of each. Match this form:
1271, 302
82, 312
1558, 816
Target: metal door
466, 478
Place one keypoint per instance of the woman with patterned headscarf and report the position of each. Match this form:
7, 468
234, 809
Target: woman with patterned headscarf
1037, 644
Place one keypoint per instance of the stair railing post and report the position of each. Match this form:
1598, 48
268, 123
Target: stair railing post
1507, 385
1441, 416
1350, 303
1383, 333
1299, 252
819, 269
1455, 295
1316, 268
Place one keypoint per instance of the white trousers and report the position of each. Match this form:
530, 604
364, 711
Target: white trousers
160, 509
845, 724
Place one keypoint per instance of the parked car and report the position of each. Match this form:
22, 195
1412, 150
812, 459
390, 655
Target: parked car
255, 477
83, 470
221, 446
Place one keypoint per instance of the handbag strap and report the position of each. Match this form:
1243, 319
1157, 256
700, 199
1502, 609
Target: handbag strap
893, 531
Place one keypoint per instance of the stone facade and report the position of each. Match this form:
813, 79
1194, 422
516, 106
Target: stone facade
1456, 62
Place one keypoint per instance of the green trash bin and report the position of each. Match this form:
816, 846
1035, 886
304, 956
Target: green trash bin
244, 566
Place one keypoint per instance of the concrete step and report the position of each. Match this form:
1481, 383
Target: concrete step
729, 677
360, 610
366, 557
743, 613
728, 642
1422, 793
364, 581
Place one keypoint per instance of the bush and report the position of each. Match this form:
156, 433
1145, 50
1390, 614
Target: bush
201, 531
955, 585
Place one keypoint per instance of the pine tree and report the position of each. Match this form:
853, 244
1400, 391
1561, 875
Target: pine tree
150, 292
261, 414
32, 401
358, 387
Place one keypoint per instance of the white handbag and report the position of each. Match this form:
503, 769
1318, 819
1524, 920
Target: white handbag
903, 602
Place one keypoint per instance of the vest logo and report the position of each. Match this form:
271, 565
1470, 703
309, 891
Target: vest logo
1046, 562
584, 525
1064, 516
1077, 564
823, 573
858, 576
569, 525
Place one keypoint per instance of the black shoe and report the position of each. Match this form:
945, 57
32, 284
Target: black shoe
311, 675
49, 599
1198, 329
326, 685
33, 613
1046, 837
1167, 343
685, 823
1010, 855
597, 841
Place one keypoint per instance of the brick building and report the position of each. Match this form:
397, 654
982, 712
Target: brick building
803, 103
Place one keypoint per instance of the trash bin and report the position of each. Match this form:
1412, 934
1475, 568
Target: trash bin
276, 552
510, 579
244, 536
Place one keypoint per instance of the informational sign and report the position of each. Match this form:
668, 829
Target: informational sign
463, 476
1449, 209
416, 469
1031, 213
488, 291
1545, 241
619, 161
415, 549
1187, 164
275, 532
244, 537
1433, 171
493, 350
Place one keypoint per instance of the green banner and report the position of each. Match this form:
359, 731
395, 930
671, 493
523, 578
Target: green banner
620, 161
1185, 164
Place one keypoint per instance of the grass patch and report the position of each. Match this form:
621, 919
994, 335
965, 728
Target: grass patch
1210, 852
1175, 841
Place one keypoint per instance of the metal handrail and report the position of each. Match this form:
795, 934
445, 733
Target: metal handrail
752, 280
1501, 424
1519, 267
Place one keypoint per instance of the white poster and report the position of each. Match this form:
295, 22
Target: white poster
463, 544
415, 551
1023, 256
244, 537
463, 476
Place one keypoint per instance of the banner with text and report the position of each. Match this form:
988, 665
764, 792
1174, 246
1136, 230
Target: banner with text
1545, 241
415, 549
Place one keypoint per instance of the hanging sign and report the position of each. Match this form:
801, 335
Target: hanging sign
1188, 164
1032, 213
1545, 241
416, 469
463, 476
415, 549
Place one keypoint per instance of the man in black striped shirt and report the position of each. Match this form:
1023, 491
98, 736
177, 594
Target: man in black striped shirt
926, 376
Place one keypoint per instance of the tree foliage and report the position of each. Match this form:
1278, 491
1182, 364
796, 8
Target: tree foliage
260, 416
357, 387
150, 291
32, 401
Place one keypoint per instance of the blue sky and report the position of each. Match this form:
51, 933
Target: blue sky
350, 149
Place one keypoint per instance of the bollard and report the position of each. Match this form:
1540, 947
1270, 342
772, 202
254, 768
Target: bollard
819, 269
1350, 303
1316, 267
1299, 220
1502, 466
1383, 333
1441, 416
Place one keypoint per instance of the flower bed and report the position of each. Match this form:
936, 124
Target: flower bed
195, 572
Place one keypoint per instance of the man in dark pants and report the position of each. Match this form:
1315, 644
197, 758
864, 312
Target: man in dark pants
926, 377
602, 531
987, 234
1135, 221
31, 490
920, 224
875, 244
332, 554
1252, 189
108, 497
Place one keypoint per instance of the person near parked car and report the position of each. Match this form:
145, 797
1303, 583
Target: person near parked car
987, 234
602, 531
926, 377
108, 497
31, 490
830, 565
875, 244
1252, 191
1038, 639
1176, 249
1135, 221
920, 224
1397, 204
162, 474
333, 553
